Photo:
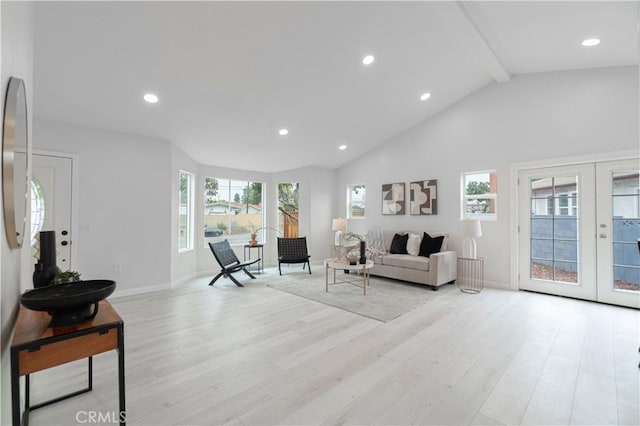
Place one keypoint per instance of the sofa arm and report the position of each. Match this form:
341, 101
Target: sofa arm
443, 267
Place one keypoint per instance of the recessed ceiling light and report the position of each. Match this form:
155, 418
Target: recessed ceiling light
342, 147
283, 132
368, 60
425, 96
151, 98
591, 42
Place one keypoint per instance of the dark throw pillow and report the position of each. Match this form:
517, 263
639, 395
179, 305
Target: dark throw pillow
429, 245
399, 244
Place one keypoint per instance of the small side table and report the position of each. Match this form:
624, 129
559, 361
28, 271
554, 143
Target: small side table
247, 256
470, 274
36, 347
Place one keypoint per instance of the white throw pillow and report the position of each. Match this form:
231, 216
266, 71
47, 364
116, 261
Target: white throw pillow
413, 244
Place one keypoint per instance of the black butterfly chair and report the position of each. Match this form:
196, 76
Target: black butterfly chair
293, 250
229, 262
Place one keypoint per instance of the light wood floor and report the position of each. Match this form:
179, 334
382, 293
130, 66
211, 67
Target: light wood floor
257, 356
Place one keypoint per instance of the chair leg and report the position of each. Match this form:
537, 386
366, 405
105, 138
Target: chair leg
216, 278
246, 271
232, 278
309, 267
279, 269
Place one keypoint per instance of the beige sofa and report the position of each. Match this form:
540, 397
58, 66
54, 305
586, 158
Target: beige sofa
436, 270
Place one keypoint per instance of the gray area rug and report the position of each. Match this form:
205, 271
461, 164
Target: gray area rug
385, 299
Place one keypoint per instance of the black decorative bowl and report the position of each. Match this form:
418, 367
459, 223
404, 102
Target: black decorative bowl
69, 303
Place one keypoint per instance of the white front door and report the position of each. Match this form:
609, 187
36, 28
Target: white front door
51, 202
579, 228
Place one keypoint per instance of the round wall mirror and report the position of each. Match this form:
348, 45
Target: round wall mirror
15, 185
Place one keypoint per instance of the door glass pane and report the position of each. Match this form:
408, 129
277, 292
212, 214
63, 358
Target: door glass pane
566, 272
554, 229
626, 230
566, 227
541, 227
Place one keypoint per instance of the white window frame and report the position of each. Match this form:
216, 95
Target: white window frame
189, 211
349, 214
464, 197
262, 225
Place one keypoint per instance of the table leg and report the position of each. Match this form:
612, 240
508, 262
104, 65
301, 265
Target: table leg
15, 389
121, 388
326, 278
365, 282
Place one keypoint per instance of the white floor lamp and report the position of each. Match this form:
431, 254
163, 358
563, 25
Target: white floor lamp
339, 225
471, 229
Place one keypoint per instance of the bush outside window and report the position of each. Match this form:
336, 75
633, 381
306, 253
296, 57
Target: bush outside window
288, 209
480, 195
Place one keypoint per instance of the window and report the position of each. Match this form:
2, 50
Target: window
232, 210
288, 209
185, 211
355, 201
479, 195
37, 209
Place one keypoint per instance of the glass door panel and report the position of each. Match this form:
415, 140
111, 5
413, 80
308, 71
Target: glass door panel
555, 251
554, 240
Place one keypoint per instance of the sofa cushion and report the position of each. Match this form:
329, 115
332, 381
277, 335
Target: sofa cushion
399, 244
406, 261
388, 236
430, 245
413, 244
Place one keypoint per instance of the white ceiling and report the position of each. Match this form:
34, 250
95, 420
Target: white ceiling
229, 75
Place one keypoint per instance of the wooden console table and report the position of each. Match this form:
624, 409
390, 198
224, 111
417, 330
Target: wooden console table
36, 347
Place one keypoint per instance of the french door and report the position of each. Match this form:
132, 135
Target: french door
618, 234
578, 231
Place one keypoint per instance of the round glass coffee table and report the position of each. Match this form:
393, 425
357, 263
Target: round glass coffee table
342, 264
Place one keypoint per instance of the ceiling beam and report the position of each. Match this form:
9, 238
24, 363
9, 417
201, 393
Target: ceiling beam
456, 15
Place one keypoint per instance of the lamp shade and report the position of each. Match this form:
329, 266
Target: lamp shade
471, 228
339, 224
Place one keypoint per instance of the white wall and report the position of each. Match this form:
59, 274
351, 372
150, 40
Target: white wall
16, 29
124, 204
532, 117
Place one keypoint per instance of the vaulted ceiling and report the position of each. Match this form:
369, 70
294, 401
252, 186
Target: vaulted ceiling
230, 75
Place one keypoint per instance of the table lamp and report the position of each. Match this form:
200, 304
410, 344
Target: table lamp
471, 229
339, 225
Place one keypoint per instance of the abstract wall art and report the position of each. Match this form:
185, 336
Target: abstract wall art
393, 201
423, 195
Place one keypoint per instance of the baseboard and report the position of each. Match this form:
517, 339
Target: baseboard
139, 290
497, 284
183, 280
